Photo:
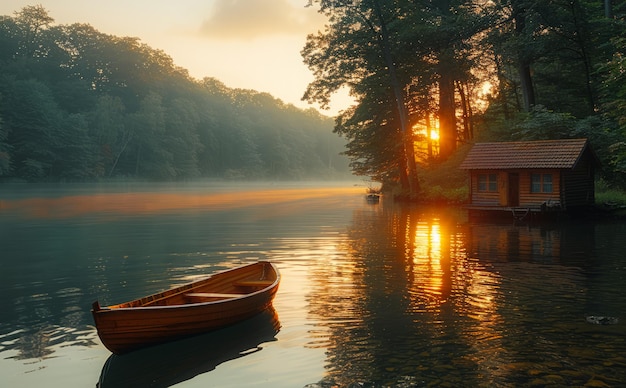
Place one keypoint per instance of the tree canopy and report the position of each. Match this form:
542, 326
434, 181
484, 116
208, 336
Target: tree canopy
79, 104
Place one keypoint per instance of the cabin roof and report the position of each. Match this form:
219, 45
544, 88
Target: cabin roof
561, 154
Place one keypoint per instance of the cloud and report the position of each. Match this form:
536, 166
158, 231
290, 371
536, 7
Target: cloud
253, 19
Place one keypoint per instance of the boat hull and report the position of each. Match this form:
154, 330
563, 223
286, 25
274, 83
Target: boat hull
170, 315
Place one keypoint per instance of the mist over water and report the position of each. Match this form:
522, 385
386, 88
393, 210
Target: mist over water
379, 294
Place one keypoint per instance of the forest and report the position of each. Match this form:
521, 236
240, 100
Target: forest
80, 105
430, 78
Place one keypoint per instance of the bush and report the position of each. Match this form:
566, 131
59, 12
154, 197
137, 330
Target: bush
607, 195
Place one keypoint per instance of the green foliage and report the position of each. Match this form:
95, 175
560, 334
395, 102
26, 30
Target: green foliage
444, 181
5, 158
79, 104
32, 120
607, 194
614, 87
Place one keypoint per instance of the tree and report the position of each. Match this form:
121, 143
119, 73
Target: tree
108, 133
74, 159
181, 121
343, 56
524, 57
9, 40
5, 155
405, 60
546, 54
613, 97
31, 21
148, 154
32, 120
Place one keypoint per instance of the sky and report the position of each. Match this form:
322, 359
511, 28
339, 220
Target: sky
249, 44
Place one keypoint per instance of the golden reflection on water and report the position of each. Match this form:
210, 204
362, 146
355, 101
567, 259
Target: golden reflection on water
428, 263
404, 287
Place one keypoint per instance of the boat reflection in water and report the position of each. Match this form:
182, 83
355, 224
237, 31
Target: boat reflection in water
178, 361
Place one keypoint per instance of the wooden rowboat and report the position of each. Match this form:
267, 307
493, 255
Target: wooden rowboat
212, 303
177, 361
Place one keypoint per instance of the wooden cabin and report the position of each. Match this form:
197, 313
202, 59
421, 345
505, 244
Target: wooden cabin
531, 176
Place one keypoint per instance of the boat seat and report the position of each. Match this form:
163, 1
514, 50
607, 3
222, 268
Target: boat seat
253, 283
202, 295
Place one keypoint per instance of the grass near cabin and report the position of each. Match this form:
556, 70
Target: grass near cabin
605, 195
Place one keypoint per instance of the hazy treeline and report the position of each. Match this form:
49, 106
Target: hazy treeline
76, 103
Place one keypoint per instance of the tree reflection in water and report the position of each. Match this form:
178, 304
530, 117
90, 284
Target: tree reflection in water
427, 298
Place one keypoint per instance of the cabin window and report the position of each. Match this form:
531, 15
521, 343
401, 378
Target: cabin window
488, 182
541, 183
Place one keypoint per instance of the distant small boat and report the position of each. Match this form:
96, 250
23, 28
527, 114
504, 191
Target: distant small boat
372, 198
212, 303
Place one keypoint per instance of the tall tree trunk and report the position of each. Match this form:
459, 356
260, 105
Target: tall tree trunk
402, 172
503, 88
119, 154
579, 38
467, 133
447, 116
409, 150
526, 82
447, 108
429, 138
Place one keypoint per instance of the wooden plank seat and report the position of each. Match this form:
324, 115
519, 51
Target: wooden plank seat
168, 315
212, 295
253, 283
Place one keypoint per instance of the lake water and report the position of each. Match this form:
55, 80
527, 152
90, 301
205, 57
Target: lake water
379, 295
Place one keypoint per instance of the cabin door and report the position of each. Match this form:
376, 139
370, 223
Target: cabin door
513, 192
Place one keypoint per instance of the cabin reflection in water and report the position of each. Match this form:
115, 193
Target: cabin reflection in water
546, 243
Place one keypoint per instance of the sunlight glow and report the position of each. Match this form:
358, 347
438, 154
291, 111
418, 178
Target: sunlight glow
426, 135
152, 203
483, 95
428, 242
428, 266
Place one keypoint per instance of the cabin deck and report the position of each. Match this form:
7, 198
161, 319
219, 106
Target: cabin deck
515, 212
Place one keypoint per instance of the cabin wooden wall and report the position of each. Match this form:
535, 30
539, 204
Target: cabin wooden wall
526, 198
488, 198
578, 185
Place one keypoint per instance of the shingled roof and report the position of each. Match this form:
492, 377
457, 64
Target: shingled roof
562, 154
